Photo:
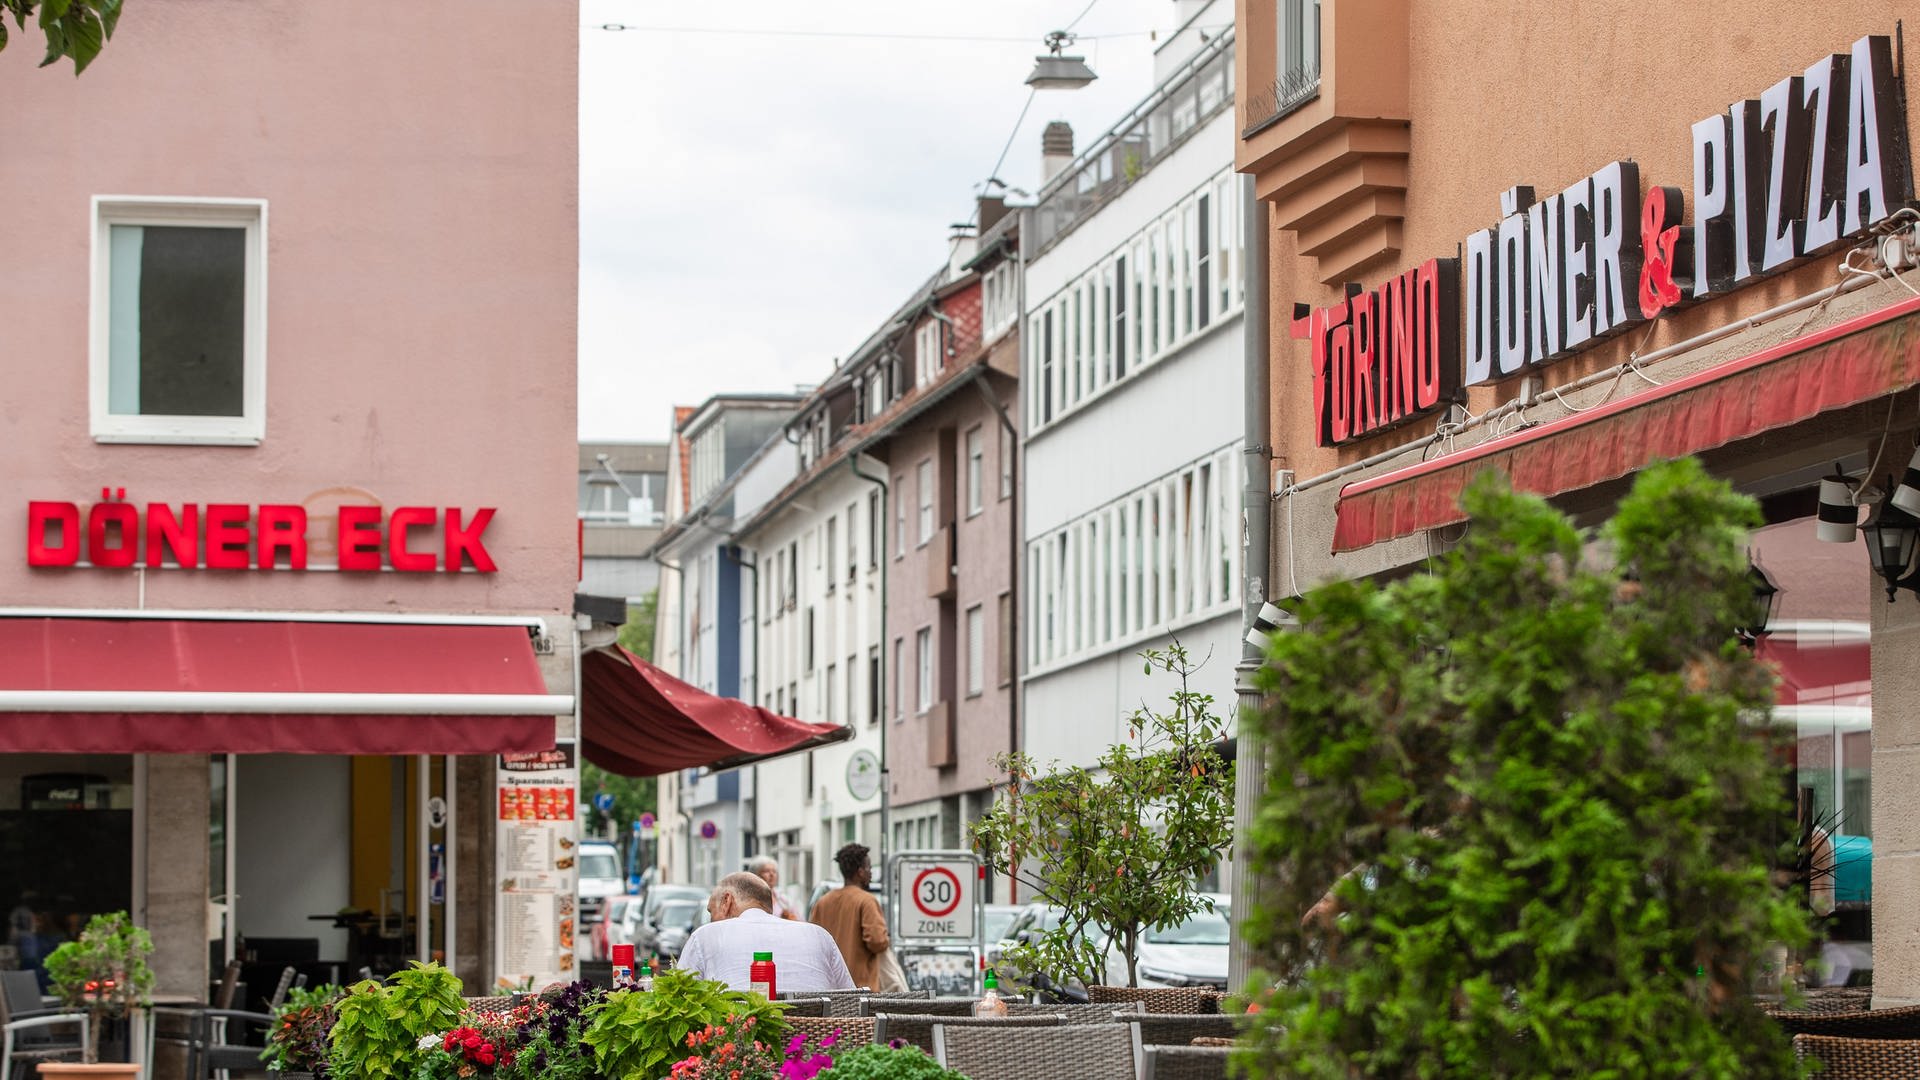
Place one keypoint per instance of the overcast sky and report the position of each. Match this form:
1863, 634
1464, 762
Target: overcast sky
752, 204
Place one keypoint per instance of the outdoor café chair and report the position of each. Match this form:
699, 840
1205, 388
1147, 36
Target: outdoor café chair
851, 1030
30, 1033
874, 1006
1184, 1063
1860, 1059
1077, 1052
1080, 1014
916, 1029
806, 1006
1180, 1029
1159, 999
1900, 1023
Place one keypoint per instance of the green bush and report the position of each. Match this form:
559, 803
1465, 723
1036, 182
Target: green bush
638, 1036
377, 1028
872, 1062
1539, 788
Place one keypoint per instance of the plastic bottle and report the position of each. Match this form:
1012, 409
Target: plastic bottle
760, 977
623, 967
645, 979
990, 1003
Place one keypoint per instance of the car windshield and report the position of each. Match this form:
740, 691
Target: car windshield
1200, 928
996, 923
599, 865
679, 913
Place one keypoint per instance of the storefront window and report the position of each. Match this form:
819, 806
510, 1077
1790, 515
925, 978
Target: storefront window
1819, 642
66, 840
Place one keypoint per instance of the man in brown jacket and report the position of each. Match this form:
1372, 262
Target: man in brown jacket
852, 915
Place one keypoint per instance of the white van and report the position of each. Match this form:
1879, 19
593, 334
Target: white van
600, 878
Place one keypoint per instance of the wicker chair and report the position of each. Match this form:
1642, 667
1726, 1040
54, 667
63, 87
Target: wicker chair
874, 1006
1078, 1052
1080, 1014
853, 1030
1184, 1063
498, 1004
1860, 1059
1158, 999
1180, 1029
807, 1006
916, 1029
1901, 1023
1826, 1001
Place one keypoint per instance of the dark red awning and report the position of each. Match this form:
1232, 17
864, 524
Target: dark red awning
1855, 361
208, 686
637, 720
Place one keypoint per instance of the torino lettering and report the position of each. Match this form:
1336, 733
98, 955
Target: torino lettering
1383, 357
114, 533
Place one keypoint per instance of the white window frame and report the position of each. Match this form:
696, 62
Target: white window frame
923, 664
976, 650
1006, 461
899, 516
923, 495
976, 469
247, 429
927, 359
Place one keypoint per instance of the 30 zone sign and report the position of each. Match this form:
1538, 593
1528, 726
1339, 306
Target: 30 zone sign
939, 900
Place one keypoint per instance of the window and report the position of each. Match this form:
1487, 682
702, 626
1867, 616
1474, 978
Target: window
927, 359
924, 493
976, 464
807, 652
178, 339
1298, 52
826, 690
899, 674
1005, 672
899, 515
853, 693
876, 392
923, 655
873, 685
976, 650
874, 519
1006, 462
793, 702
793, 575
999, 298
833, 544
853, 545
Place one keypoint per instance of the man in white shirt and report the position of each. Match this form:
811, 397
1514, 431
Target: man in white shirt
804, 955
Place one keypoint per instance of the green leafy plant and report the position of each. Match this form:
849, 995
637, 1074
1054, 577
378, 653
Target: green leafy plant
75, 28
1524, 810
301, 1025
874, 1062
1119, 847
638, 1036
377, 1031
103, 971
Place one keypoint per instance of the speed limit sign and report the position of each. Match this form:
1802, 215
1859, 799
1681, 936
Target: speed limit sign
939, 896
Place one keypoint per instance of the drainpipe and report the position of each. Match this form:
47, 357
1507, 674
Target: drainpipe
753, 627
886, 781
1250, 758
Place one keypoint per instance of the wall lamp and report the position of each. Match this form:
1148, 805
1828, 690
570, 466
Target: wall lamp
1892, 531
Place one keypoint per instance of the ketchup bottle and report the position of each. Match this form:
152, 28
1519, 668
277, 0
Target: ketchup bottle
623, 967
760, 977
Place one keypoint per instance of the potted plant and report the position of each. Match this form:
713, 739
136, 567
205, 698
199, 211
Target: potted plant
297, 1046
105, 972
631, 1033
896, 1061
380, 1028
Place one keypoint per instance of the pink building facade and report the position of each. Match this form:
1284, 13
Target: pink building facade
309, 285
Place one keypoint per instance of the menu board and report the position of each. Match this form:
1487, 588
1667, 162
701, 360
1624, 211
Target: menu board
536, 847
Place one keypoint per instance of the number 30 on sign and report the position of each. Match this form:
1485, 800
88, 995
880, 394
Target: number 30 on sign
940, 903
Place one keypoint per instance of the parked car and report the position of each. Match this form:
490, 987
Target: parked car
677, 921
610, 930
1029, 922
643, 924
1190, 953
995, 919
600, 878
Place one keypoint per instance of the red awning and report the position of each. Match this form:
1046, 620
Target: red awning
206, 686
637, 720
1857, 360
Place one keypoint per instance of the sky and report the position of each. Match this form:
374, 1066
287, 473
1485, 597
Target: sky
753, 204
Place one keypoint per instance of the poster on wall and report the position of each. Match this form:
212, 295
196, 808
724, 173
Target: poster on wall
536, 851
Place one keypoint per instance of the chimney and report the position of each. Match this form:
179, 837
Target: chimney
961, 245
1056, 150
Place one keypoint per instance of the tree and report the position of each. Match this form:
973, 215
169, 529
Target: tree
1530, 805
75, 28
637, 635
1120, 847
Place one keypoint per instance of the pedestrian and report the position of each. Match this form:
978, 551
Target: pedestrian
769, 872
852, 915
743, 923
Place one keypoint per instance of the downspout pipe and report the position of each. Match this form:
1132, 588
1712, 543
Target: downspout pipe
879, 687
1250, 757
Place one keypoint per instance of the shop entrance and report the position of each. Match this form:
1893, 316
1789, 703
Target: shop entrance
322, 862
66, 849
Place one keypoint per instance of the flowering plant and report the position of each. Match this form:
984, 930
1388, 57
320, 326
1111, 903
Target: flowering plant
734, 1049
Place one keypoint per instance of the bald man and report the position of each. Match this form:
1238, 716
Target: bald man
743, 923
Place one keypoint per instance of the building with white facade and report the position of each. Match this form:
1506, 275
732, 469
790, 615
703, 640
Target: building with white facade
1131, 394
623, 492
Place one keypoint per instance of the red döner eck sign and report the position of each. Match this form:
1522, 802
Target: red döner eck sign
114, 533
1815, 160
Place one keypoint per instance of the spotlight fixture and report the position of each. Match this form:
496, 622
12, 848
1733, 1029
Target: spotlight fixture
1271, 619
1839, 516
1056, 72
1907, 495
